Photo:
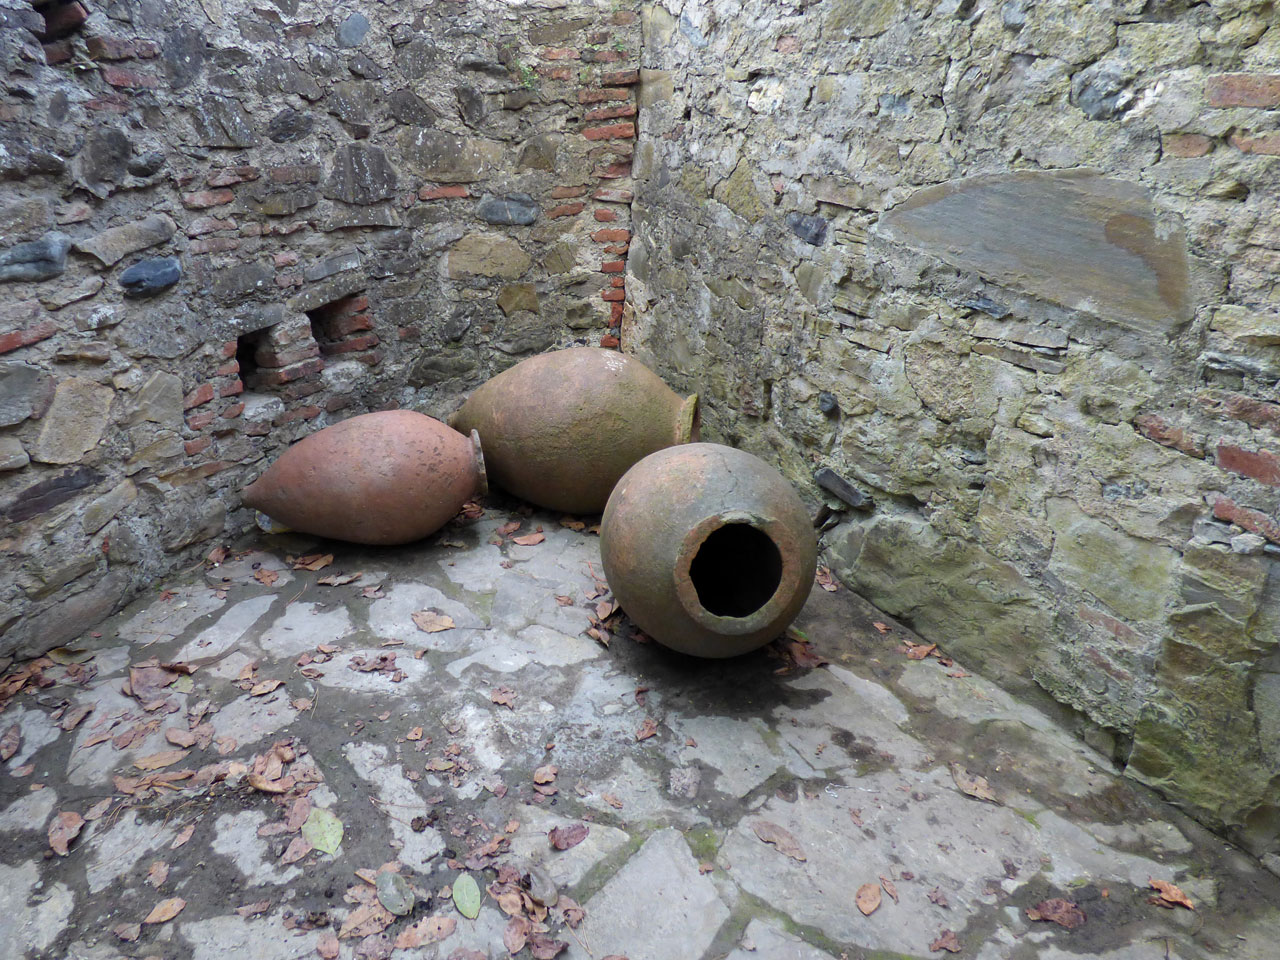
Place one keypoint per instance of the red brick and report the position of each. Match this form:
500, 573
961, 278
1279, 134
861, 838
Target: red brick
128, 79
301, 413
342, 326
60, 51
198, 421
1257, 465
613, 171
559, 53
610, 113
603, 94
295, 173
1256, 413
613, 295
613, 266
285, 280
608, 195
1243, 90
298, 390
611, 235
271, 356
1185, 144
599, 36
202, 225
605, 216
618, 249
564, 193
203, 199
24, 338
617, 281
213, 245
110, 103
602, 56
232, 389
1166, 434
228, 368
370, 358
609, 341
285, 258
615, 312
200, 395
612, 131
1254, 521
62, 19
192, 447
565, 210
448, 192
355, 344
120, 48
233, 411
227, 176
334, 404
274, 378
1267, 144
621, 18
555, 73
619, 78
347, 306
230, 348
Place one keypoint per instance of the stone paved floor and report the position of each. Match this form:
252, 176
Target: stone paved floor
207, 791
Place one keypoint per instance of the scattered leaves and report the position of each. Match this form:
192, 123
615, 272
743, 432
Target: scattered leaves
340, 579
427, 930
946, 941
1169, 894
266, 577
920, 651
781, 839
611, 800
972, 784
937, 896
647, 729
157, 761
179, 737
868, 898
826, 580
432, 620
466, 896
65, 828
165, 910
10, 742
563, 838
71, 719
1062, 912
314, 561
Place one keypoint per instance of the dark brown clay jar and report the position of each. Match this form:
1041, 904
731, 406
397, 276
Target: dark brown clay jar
379, 478
708, 549
560, 428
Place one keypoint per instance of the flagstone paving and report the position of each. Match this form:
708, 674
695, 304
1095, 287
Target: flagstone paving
203, 787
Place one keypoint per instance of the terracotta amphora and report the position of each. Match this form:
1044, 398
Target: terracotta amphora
560, 428
708, 549
380, 478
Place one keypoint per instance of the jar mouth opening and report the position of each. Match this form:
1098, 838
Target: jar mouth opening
730, 573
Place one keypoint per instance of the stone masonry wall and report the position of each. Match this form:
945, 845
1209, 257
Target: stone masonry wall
225, 224
997, 283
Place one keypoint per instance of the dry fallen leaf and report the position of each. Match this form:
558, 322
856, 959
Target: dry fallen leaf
946, 941
327, 946
647, 729
297, 849
315, 561
264, 687
158, 874
71, 719
868, 898
889, 888
937, 896
972, 784
1170, 894
516, 935
611, 800
183, 837
98, 809
427, 930
414, 734
10, 742
254, 909
156, 761
882, 627
826, 580
432, 621
920, 651
529, 540
165, 910
340, 579
781, 839
503, 696
266, 577
562, 838
545, 773
1062, 912
65, 828
179, 737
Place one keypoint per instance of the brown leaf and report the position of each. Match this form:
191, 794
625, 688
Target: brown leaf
315, 561
156, 761
259, 782
340, 579
530, 540
183, 837
432, 621
1171, 894
826, 580
611, 800
264, 687
98, 809
71, 719
217, 555
545, 773
165, 910
516, 934
179, 737
327, 946
366, 919
605, 609
297, 849
414, 734
882, 627
426, 930
503, 696
265, 576
972, 784
920, 651
147, 683
158, 874
889, 888
937, 896
868, 898
10, 742
946, 941
782, 839
562, 838
647, 729
254, 909
128, 932
65, 828
1062, 912
543, 947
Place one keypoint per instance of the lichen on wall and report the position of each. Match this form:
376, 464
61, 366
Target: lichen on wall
1008, 271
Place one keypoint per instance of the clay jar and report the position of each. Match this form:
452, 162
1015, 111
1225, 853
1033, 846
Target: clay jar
560, 428
708, 549
380, 478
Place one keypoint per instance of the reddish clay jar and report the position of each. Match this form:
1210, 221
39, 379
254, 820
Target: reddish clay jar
560, 428
708, 549
381, 478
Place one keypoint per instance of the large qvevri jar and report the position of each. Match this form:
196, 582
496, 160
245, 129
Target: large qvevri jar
708, 549
560, 428
380, 478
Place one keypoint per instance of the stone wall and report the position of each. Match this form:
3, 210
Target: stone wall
996, 282
226, 224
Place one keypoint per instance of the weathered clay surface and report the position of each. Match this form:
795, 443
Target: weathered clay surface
380, 478
560, 428
708, 549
